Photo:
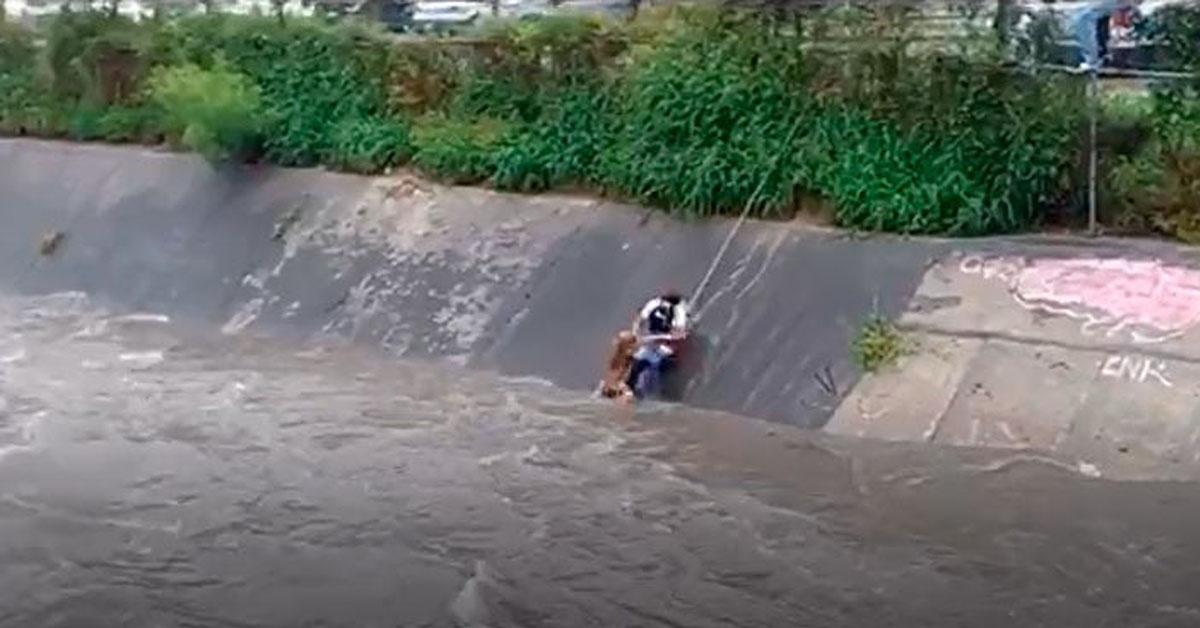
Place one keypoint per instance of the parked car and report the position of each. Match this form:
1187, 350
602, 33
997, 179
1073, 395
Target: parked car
522, 9
448, 14
618, 8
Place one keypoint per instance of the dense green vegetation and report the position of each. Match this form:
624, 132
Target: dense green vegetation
1155, 174
700, 111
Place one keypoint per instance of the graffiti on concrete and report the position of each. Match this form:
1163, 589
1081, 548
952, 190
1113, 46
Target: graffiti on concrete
1006, 269
1147, 300
1136, 369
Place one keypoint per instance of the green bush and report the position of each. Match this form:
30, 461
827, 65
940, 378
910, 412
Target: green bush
370, 145
21, 101
308, 73
1127, 107
459, 151
95, 57
531, 62
914, 143
84, 123
217, 112
419, 78
701, 119
1177, 28
131, 123
1159, 186
562, 147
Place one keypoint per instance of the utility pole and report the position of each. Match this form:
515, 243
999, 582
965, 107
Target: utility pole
1003, 21
1093, 105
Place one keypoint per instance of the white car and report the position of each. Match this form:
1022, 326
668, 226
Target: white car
524, 8
448, 13
265, 7
602, 7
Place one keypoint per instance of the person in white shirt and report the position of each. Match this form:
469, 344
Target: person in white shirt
665, 320
665, 315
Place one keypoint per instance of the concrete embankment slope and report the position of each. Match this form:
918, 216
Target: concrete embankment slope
1090, 353
522, 285
1087, 351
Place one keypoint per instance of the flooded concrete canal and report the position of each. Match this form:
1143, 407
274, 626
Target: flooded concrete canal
154, 475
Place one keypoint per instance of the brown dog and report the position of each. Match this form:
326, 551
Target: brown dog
613, 385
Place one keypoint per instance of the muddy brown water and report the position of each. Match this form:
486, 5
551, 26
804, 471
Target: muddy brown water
153, 475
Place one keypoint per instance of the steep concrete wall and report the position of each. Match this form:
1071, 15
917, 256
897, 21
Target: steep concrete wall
1085, 351
522, 285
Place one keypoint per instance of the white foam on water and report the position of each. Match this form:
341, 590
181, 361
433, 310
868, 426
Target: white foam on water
145, 317
27, 435
12, 355
142, 359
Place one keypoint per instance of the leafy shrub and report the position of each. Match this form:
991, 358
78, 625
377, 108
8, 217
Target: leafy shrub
1127, 107
17, 49
95, 56
308, 74
217, 112
370, 145
118, 123
19, 95
457, 150
527, 63
132, 123
562, 147
701, 118
1177, 29
419, 78
83, 123
915, 143
1158, 187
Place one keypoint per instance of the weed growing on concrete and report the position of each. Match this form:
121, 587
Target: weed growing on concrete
878, 344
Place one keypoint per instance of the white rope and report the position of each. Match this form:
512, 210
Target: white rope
721, 251
695, 300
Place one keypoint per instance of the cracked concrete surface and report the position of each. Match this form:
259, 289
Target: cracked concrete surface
1092, 358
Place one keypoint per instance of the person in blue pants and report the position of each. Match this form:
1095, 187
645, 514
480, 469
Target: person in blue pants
664, 319
1083, 27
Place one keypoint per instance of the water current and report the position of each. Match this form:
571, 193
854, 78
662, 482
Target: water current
156, 475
